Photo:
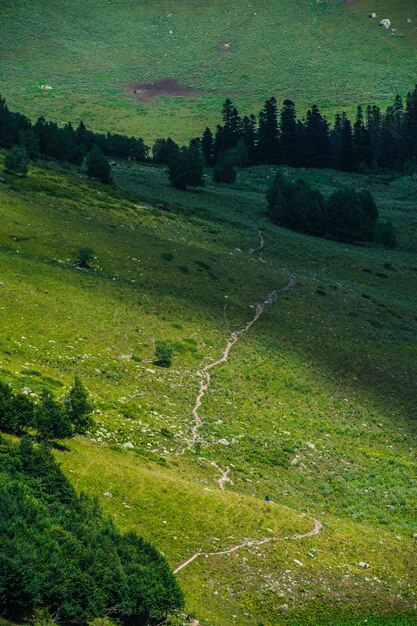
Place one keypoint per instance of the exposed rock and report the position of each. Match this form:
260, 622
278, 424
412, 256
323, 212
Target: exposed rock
372, 15
297, 562
385, 23
364, 565
108, 494
26, 390
224, 442
128, 445
414, 535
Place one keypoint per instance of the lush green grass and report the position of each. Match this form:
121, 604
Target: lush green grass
88, 51
325, 377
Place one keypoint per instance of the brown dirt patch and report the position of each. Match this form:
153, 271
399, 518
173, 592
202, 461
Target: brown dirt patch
146, 92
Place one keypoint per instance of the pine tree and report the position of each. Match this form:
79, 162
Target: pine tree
51, 420
186, 168
289, 135
78, 407
224, 169
317, 138
347, 154
249, 131
98, 166
268, 134
207, 147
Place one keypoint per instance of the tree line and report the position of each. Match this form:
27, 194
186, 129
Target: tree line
374, 140
45, 139
62, 560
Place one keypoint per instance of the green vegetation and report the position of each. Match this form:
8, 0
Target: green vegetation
60, 555
47, 417
209, 47
346, 215
98, 166
16, 161
316, 401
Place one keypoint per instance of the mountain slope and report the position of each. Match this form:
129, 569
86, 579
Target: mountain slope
314, 406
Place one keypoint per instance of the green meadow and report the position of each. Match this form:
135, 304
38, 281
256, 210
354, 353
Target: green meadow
315, 406
91, 52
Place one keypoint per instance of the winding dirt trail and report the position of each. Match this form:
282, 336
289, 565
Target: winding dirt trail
253, 542
198, 423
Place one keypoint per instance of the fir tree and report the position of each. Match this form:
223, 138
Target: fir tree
268, 135
78, 407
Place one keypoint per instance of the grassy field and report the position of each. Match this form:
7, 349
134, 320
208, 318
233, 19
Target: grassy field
91, 52
316, 403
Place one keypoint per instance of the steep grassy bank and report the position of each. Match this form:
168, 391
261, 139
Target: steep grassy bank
315, 403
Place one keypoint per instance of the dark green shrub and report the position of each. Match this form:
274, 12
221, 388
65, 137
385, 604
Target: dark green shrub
17, 161
163, 354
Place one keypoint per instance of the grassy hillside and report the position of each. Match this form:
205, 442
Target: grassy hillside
92, 53
315, 406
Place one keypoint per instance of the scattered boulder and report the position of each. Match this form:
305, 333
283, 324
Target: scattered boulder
364, 565
3, 180
372, 16
385, 23
297, 562
409, 21
414, 535
224, 442
108, 494
129, 445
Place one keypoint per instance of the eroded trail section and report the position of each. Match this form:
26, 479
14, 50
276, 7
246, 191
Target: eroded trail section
252, 542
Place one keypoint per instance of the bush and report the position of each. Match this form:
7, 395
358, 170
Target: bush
163, 354
17, 161
85, 257
385, 235
98, 166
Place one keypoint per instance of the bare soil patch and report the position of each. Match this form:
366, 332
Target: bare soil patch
146, 92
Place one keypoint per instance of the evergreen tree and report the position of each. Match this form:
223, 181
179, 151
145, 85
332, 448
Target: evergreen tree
51, 420
361, 143
224, 169
98, 166
78, 408
186, 168
316, 136
249, 132
16, 161
29, 142
289, 135
347, 154
207, 147
164, 150
268, 134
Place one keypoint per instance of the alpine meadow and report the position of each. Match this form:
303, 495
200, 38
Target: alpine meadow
208, 337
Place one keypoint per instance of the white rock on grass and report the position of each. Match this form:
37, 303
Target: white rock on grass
129, 445
108, 494
385, 23
363, 565
224, 442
